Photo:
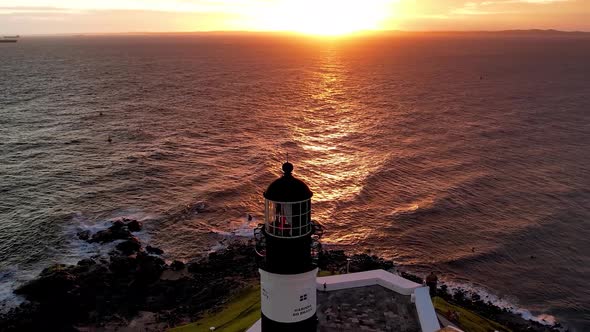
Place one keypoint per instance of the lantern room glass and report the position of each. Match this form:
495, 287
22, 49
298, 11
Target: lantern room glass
287, 219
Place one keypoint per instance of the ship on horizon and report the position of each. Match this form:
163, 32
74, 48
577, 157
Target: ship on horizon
9, 39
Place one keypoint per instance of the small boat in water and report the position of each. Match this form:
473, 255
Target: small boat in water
9, 39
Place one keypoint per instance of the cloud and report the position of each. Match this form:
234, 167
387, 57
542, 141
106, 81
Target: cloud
66, 21
7, 10
501, 7
196, 6
28, 8
474, 8
541, 1
492, 15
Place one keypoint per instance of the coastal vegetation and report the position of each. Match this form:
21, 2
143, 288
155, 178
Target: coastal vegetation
469, 321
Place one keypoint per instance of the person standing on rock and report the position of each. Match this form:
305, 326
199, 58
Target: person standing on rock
431, 282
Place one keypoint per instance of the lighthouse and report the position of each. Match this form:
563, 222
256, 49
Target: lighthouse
288, 241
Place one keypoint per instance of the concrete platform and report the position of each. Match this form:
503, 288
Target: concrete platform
370, 308
368, 278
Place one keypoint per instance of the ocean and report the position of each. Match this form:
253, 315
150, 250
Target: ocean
463, 154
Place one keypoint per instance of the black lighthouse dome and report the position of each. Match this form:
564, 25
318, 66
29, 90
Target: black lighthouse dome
288, 206
288, 188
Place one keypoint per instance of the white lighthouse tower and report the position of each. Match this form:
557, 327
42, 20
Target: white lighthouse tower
287, 241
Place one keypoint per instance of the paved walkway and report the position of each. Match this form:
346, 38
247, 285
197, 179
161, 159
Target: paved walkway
370, 308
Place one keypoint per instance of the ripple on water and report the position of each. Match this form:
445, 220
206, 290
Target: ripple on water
408, 152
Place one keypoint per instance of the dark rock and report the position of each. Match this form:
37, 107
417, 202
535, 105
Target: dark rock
83, 235
364, 262
129, 247
87, 262
221, 262
149, 267
177, 266
332, 259
103, 291
413, 278
117, 224
154, 250
54, 281
200, 207
111, 234
337, 260
194, 267
117, 231
134, 226
122, 265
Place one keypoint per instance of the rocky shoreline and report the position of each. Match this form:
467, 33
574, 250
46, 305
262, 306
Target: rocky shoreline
134, 287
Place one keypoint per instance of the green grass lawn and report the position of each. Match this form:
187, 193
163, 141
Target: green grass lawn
323, 273
237, 316
468, 321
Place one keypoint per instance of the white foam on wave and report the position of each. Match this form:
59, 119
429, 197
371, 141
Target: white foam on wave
74, 250
79, 249
507, 303
239, 229
8, 283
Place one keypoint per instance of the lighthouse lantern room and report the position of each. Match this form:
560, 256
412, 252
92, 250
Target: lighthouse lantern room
288, 241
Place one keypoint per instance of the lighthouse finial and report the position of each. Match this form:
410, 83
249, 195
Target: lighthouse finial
287, 166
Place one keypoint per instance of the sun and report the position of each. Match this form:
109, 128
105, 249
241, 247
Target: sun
327, 17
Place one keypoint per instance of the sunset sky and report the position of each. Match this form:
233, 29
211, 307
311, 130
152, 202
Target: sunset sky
309, 16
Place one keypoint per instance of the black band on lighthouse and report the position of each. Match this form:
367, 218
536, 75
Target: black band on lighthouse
309, 324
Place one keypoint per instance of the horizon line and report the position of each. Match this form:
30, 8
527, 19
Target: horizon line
358, 33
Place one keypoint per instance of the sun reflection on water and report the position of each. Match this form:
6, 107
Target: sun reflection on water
331, 132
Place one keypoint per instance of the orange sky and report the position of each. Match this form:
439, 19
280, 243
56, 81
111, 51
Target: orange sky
308, 16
